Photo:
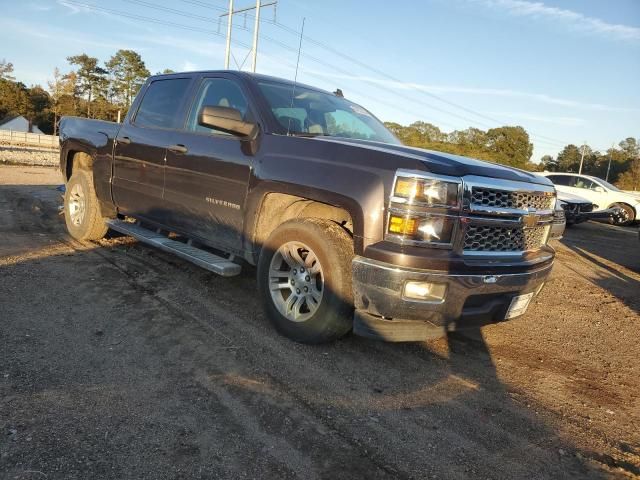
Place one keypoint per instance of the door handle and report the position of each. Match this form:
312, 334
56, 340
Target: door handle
123, 140
178, 148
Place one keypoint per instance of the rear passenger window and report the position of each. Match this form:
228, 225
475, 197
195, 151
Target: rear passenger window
161, 104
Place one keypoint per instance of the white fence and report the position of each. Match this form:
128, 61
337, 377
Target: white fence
29, 139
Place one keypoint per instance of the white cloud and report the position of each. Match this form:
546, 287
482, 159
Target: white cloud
574, 20
39, 7
498, 92
550, 119
58, 35
204, 48
188, 66
75, 9
80, 8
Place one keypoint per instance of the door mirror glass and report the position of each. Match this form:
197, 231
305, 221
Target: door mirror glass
226, 119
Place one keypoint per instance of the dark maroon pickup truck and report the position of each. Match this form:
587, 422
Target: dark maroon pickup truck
349, 229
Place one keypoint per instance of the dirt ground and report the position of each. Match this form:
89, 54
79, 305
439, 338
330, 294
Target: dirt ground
118, 361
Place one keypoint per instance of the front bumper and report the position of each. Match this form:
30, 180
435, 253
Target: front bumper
470, 301
594, 215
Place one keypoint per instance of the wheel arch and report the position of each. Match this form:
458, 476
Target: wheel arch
273, 208
77, 159
633, 209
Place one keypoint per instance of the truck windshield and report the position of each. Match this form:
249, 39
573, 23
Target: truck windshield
316, 113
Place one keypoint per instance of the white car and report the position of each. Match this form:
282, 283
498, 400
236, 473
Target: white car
602, 194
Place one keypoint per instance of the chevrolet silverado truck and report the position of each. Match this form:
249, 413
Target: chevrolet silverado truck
349, 229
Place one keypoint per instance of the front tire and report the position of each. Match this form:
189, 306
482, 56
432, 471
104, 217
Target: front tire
82, 209
304, 279
626, 217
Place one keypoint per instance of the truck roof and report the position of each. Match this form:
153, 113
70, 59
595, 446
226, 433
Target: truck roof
253, 77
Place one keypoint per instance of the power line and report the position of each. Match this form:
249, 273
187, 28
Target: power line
375, 84
139, 17
393, 79
291, 49
539, 138
170, 10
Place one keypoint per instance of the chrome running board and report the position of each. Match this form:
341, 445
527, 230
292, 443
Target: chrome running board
202, 258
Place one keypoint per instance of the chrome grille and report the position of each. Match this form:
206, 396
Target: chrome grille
491, 197
486, 238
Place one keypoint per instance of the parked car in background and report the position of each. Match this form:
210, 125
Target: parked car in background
578, 209
602, 194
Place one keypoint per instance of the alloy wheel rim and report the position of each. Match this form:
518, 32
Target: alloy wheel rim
296, 281
623, 215
77, 205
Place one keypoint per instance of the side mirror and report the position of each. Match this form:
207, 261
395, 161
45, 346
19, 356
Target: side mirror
599, 189
228, 120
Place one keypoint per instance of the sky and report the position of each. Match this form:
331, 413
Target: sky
567, 71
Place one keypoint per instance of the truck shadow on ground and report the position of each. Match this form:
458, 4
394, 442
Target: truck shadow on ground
148, 366
604, 250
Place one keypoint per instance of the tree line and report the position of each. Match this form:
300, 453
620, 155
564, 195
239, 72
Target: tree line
88, 89
510, 145
621, 164
94, 90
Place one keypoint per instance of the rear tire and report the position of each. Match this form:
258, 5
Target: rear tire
304, 279
82, 209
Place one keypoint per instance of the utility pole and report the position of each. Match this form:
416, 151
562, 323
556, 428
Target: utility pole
609, 166
227, 53
256, 29
582, 157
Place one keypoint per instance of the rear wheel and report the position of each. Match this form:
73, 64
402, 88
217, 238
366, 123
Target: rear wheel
626, 214
81, 208
304, 278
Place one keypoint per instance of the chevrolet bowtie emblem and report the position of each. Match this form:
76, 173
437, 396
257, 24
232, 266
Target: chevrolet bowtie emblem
530, 220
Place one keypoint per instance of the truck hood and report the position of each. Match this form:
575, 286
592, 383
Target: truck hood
442, 163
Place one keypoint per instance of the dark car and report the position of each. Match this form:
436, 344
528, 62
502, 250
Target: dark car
348, 228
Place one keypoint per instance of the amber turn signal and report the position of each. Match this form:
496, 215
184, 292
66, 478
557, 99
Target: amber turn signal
403, 225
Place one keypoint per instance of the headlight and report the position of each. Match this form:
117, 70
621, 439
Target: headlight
432, 192
424, 209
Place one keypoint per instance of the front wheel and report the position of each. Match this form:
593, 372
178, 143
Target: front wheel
304, 278
626, 215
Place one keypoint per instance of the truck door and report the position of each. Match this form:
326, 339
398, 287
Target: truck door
207, 175
139, 154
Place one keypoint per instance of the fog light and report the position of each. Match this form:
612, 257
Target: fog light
425, 291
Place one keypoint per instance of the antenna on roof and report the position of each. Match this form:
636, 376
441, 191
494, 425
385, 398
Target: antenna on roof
295, 78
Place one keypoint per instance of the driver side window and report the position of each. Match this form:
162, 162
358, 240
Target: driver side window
216, 92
